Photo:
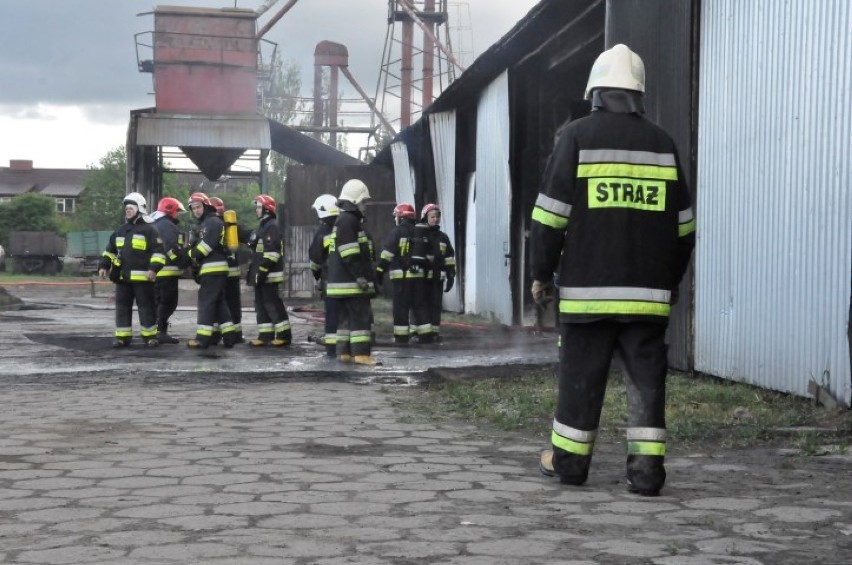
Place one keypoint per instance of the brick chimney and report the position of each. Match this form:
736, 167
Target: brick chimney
20, 165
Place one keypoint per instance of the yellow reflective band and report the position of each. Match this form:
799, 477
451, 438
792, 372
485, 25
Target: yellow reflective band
618, 192
348, 252
686, 229
613, 307
549, 219
627, 170
569, 445
656, 448
360, 339
122, 332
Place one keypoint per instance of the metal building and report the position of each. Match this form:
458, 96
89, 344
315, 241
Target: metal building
757, 98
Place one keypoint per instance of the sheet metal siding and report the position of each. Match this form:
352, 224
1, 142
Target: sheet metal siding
667, 55
185, 131
774, 252
493, 202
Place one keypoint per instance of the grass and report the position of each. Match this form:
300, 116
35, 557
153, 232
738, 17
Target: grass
699, 410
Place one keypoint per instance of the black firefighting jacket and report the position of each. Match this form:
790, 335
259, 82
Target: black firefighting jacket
395, 258
208, 252
350, 255
318, 250
133, 249
614, 218
267, 260
175, 254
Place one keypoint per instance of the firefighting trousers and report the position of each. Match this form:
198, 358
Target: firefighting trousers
125, 295
332, 317
423, 309
272, 319
213, 310
403, 303
354, 326
235, 307
585, 353
166, 295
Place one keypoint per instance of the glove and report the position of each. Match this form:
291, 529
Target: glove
362, 283
450, 281
261, 276
542, 292
380, 276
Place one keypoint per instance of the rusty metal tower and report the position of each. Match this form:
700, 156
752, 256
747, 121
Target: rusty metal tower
402, 90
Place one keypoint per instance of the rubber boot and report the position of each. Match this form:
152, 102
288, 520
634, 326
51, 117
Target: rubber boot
364, 360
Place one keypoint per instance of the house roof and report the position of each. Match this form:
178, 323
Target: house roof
51, 182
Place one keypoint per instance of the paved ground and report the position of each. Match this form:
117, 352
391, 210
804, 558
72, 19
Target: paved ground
168, 457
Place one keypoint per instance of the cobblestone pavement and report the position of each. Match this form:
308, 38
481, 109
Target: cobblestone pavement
117, 460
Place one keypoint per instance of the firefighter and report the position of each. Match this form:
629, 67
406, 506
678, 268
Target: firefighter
326, 208
435, 252
132, 258
350, 270
266, 274
209, 257
395, 259
232, 287
614, 219
166, 220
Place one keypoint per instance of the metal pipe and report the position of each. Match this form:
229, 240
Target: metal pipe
332, 105
405, 81
406, 6
369, 102
428, 55
275, 19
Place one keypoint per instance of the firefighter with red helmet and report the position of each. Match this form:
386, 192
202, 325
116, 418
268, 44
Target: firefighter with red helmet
166, 220
232, 288
614, 221
432, 249
209, 256
266, 274
132, 258
350, 274
326, 208
395, 260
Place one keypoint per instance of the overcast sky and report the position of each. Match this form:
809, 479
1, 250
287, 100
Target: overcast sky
68, 75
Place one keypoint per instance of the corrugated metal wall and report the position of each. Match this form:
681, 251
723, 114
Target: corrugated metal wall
492, 208
774, 208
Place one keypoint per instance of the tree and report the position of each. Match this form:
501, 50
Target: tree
28, 212
99, 207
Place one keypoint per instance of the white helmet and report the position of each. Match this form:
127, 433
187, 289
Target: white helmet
326, 205
137, 200
618, 67
354, 191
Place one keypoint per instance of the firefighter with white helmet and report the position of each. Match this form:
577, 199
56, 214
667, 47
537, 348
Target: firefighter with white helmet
395, 260
266, 274
209, 256
613, 220
132, 258
325, 206
350, 274
166, 220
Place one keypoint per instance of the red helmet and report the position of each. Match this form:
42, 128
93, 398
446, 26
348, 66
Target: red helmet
218, 204
171, 207
267, 202
199, 197
404, 210
428, 208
